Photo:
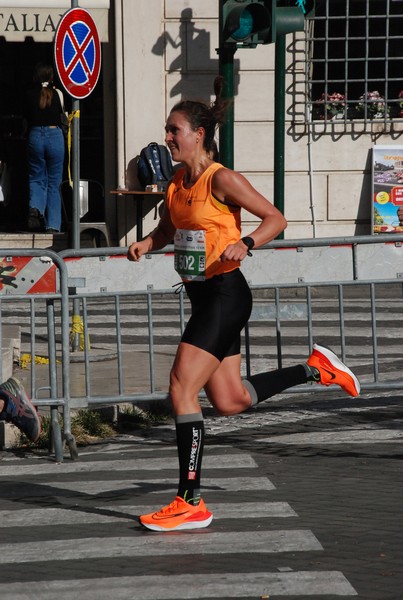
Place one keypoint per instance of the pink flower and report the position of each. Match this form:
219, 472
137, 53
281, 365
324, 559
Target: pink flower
375, 104
334, 103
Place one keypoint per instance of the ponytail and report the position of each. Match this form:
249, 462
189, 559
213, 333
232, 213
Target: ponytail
45, 97
44, 76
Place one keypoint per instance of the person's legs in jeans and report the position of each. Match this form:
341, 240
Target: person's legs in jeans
37, 170
54, 152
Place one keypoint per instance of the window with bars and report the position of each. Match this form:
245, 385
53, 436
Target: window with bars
354, 60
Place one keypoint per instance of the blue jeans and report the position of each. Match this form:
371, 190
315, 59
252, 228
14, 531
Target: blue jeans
45, 168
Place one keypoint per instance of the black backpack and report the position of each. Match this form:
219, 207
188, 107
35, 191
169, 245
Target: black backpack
154, 165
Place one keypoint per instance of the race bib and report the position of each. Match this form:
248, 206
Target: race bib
190, 254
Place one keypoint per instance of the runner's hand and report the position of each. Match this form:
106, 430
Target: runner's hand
236, 251
136, 251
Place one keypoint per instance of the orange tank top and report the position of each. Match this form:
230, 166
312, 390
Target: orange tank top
196, 210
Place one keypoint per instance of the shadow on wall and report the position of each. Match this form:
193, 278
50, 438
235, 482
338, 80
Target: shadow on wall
365, 206
194, 58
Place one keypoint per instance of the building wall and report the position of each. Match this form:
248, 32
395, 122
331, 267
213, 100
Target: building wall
168, 52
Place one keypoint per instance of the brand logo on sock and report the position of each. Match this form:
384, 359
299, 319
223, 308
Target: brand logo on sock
194, 453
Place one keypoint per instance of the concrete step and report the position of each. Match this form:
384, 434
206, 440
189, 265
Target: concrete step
57, 242
6, 360
34, 240
11, 337
9, 435
10, 349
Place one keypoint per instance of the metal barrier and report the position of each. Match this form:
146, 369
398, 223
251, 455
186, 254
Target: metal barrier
281, 262
123, 348
361, 320
21, 295
358, 320
278, 307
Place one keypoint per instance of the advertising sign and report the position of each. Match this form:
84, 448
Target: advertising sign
387, 188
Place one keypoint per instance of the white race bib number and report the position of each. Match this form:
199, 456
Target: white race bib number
190, 254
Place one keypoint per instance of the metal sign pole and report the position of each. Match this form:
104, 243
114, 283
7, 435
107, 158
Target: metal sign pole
78, 60
76, 174
279, 126
75, 338
76, 166
76, 34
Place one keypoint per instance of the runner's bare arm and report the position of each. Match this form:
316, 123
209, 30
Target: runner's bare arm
232, 187
161, 236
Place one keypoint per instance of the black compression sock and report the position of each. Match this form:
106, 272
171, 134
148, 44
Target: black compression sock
265, 385
190, 442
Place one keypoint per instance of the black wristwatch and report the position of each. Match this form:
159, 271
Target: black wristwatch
249, 243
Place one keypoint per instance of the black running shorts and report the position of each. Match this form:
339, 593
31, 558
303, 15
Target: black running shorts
221, 307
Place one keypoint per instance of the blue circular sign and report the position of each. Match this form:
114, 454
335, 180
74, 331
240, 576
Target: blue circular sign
78, 52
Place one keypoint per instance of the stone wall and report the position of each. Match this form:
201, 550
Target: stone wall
169, 52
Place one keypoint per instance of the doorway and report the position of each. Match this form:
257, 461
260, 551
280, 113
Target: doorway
17, 62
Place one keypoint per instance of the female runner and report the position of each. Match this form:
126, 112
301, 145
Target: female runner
202, 214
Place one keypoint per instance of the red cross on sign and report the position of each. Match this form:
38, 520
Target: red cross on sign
78, 52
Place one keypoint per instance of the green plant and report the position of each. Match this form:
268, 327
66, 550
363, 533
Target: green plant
86, 426
134, 417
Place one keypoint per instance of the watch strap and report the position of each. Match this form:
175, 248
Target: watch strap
249, 243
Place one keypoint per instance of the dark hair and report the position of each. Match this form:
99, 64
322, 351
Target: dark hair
44, 74
207, 116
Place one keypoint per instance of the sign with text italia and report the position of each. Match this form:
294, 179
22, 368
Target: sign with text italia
78, 53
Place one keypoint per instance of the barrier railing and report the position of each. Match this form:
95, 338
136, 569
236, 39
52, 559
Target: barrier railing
277, 308
28, 272
127, 338
361, 320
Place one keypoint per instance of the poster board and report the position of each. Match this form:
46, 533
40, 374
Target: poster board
387, 188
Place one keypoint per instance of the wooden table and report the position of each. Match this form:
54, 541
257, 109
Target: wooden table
138, 196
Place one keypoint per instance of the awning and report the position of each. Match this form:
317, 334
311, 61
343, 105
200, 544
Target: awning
39, 19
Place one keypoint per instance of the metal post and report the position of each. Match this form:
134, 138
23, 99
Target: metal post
76, 175
226, 67
75, 345
279, 124
226, 61
76, 167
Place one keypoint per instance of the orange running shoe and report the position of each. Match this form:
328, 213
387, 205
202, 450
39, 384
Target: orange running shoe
332, 370
178, 515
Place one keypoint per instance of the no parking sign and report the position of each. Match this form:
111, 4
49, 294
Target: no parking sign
78, 52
